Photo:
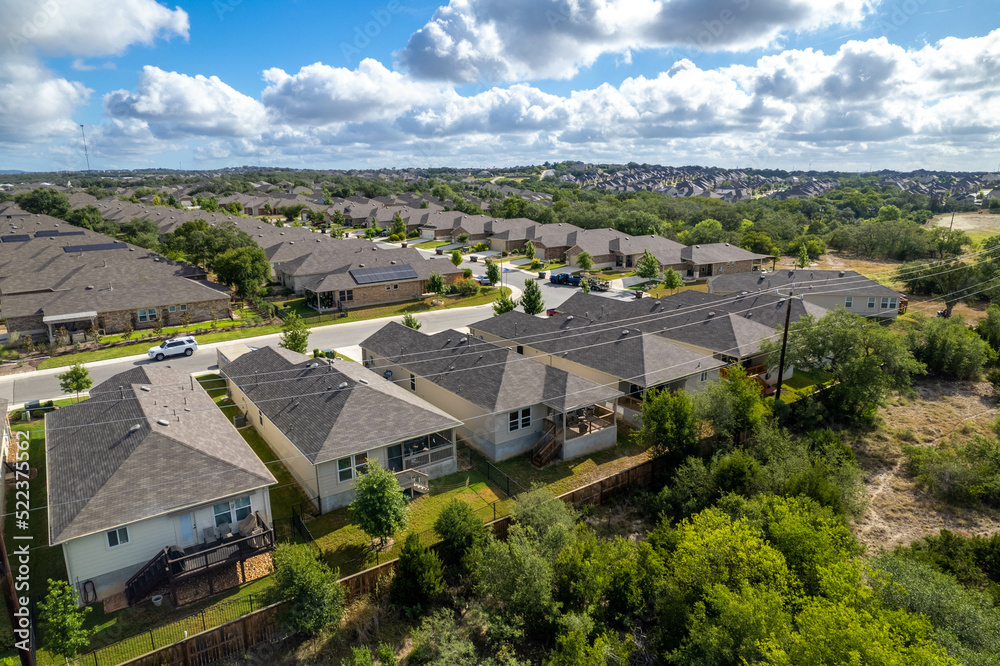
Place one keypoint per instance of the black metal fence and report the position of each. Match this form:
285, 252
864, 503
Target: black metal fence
492, 473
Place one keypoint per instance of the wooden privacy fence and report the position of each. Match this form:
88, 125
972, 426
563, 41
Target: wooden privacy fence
240, 635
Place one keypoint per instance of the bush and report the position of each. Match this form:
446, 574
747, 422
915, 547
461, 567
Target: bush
418, 581
466, 287
315, 597
460, 529
949, 347
967, 473
467, 272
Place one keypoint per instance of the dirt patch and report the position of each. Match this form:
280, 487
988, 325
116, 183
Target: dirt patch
899, 512
979, 221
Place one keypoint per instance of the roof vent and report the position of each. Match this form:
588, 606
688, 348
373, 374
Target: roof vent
363, 381
163, 422
291, 242
144, 388
393, 262
697, 245
711, 314
90, 286
342, 385
841, 273
463, 341
569, 317
313, 365
134, 428
624, 331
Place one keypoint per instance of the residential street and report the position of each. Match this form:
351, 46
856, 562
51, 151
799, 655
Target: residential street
43, 385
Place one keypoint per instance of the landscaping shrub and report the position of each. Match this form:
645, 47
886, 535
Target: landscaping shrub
948, 347
315, 597
460, 529
467, 272
418, 580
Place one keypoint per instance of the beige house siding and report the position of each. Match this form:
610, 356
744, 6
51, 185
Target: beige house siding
859, 305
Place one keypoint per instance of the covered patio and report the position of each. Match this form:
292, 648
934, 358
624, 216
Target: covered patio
575, 432
74, 322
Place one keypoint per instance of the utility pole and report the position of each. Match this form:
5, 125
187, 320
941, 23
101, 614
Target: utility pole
85, 152
784, 344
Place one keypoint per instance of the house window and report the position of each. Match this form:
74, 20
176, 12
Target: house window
260, 415
893, 304
388, 288
352, 466
347, 295
395, 286
704, 376
224, 511
117, 537
147, 314
223, 514
242, 506
413, 382
848, 302
172, 308
885, 303
183, 308
518, 420
871, 302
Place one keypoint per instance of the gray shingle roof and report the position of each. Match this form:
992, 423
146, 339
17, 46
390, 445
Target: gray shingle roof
714, 253
809, 281
493, 377
103, 471
308, 401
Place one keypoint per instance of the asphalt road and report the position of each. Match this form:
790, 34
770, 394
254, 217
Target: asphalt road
43, 385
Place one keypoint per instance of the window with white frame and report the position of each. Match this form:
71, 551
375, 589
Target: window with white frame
519, 419
225, 511
172, 308
352, 466
885, 303
893, 303
147, 314
117, 537
704, 376
871, 302
242, 507
848, 302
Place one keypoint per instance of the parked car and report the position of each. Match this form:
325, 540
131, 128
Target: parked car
552, 312
483, 280
565, 278
176, 347
599, 285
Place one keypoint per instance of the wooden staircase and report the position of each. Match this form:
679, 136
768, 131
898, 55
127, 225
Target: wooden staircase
418, 482
147, 578
548, 445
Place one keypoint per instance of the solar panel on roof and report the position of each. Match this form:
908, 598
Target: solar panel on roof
383, 274
55, 232
94, 248
15, 238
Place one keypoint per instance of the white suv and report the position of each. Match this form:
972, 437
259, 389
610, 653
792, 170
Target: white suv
175, 347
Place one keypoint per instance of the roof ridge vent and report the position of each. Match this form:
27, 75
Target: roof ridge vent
363, 381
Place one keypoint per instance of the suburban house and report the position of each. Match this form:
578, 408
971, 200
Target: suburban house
597, 243
828, 289
349, 273
150, 484
593, 344
326, 419
551, 241
508, 403
627, 250
54, 277
702, 261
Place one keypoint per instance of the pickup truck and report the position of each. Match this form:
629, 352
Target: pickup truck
565, 278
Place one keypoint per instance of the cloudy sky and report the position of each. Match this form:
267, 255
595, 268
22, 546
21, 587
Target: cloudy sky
846, 84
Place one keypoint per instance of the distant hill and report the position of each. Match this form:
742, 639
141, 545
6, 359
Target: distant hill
12, 171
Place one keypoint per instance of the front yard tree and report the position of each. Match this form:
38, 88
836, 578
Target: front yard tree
803, 261
409, 321
64, 632
867, 360
493, 272
529, 250
503, 304
244, 269
74, 380
672, 280
647, 266
668, 424
398, 225
435, 284
379, 506
314, 597
294, 334
585, 261
531, 299
456, 257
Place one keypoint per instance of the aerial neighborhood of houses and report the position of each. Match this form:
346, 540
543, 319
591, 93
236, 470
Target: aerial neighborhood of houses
130, 521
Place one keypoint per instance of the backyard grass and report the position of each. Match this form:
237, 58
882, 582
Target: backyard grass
802, 384
660, 292
430, 245
346, 547
358, 314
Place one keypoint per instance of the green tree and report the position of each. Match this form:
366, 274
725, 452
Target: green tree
244, 269
503, 303
418, 580
44, 201
410, 321
585, 261
142, 232
89, 217
889, 214
398, 225
733, 405
529, 250
435, 284
672, 280
314, 597
803, 260
531, 298
585, 285
294, 333
379, 506
668, 424
989, 327
74, 380
460, 529
707, 231
647, 266
954, 280
493, 272
948, 347
64, 634
573, 649
456, 257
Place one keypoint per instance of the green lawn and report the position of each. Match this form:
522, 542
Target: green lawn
802, 384
358, 314
431, 244
346, 547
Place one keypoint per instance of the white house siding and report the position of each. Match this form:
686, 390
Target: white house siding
89, 558
859, 306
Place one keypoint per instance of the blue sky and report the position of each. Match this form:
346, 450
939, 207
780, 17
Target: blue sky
766, 83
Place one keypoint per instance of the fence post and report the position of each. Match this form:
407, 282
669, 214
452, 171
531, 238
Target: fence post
251, 602
203, 627
151, 642
494, 510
